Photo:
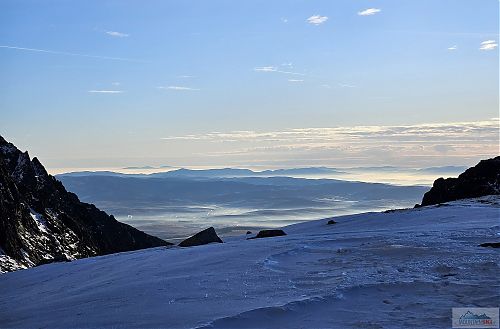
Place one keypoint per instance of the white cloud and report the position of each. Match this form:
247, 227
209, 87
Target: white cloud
317, 19
295, 80
117, 34
115, 83
284, 20
346, 85
488, 45
266, 69
178, 88
414, 145
369, 12
275, 69
453, 47
106, 91
491, 46
291, 73
474, 131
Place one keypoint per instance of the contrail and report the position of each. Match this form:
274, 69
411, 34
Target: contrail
72, 54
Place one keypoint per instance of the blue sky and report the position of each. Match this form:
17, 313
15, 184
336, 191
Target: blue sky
117, 83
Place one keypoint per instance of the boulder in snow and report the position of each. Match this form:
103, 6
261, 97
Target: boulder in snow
204, 237
268, 234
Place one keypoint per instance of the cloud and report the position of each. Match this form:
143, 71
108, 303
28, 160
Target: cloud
369, 12
295, 80
291, 73
437, 131
266, 69
346, 85
106, 91
284, 20
453, 47
488, 45
70, 54
275, 69
317, 19
415, 145
443, 148
179, 88
117, 34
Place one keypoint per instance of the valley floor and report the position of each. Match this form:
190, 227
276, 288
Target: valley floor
398, 269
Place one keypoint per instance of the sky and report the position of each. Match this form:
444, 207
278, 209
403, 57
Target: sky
251, 84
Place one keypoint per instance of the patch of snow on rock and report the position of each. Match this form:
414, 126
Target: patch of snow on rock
39, 220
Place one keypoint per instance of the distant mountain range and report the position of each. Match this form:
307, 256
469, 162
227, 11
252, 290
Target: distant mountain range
292, 172
215, 173
147, 167
235, 172
247, 192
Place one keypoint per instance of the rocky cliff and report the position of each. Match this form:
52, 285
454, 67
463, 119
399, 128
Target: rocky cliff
41, 222
480, 180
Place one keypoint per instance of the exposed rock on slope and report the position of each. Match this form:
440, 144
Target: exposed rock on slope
268, 234
481, 180
40, 222
204, 237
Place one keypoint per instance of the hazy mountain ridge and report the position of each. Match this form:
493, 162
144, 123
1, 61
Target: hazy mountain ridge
300, 172
272, 192
212, 173
41, 222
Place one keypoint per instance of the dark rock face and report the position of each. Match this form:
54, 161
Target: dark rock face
268, 234
40, 222
331, 222
481, 180
204, 237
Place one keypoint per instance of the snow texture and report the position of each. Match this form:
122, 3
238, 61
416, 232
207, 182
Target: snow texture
398, 269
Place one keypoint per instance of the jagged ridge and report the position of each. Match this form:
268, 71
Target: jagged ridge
41, 222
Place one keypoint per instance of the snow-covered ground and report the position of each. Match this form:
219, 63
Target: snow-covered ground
399, 269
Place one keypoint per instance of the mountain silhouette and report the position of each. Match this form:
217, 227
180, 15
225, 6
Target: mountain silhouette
41, 222
480, 180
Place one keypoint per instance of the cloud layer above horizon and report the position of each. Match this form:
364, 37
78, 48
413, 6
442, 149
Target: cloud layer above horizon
404, 145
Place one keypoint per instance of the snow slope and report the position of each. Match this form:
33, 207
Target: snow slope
404, 268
